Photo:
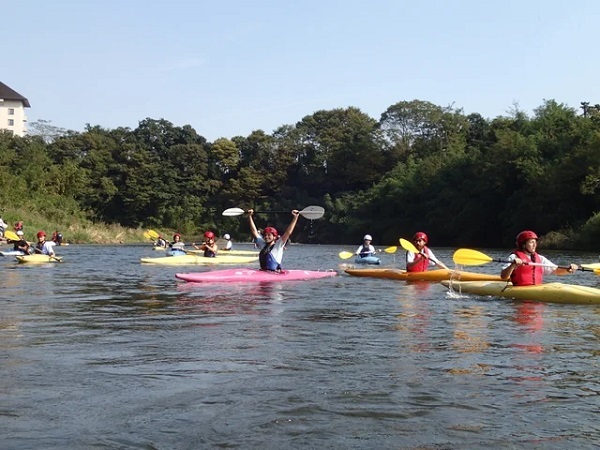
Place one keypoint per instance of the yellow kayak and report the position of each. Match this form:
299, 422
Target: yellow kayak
429, 275
197, 259
227, 252
547, 292
38, 258
159, 248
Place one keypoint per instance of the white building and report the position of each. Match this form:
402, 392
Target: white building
12, 110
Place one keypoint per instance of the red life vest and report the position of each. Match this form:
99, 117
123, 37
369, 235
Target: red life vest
527, 275
421, 262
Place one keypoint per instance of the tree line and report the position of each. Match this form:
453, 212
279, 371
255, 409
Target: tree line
464, 179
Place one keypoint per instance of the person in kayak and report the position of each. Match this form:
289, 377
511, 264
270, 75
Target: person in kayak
177, 244
366, 249
43, 246
57, 238
22, 245
228, 243
526, 267
161, 242
271, 243
209, 246
420, 262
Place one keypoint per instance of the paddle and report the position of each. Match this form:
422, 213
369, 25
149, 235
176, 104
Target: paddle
153, 234
468, 257
11, 235
310, 212
346, 255
409, 247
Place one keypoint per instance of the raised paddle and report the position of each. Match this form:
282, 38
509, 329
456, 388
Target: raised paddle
11, 235
153, 234
468, 257
346, 255
409, 247
310, 212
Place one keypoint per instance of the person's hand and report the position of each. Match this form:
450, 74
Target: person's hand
295, 212
250, 212
518, 262
573, 267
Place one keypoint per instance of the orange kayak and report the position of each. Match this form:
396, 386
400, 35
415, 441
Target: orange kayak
430, 275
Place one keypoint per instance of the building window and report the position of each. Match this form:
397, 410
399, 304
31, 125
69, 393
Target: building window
11, 122
11, 111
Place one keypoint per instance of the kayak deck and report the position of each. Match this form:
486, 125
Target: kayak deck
429, 275
547, 292
374, 260
253, 275
38, 259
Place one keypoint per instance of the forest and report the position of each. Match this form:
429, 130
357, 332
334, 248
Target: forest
463, 179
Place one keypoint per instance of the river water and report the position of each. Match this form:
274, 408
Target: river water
102, 352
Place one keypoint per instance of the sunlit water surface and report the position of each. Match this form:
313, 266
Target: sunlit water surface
101, 351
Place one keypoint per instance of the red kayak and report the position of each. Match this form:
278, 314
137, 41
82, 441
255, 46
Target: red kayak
253, 275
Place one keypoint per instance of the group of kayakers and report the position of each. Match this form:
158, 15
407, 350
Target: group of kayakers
42, 246
269, 241
208, 246
523, 267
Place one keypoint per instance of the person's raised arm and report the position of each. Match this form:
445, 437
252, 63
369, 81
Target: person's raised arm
290, 229
253, 229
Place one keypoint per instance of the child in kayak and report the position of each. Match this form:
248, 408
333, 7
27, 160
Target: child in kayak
228, 243
421, 261
271, 243
526, 267
44, 247
209, 246
176, 244
366, 249
22, 245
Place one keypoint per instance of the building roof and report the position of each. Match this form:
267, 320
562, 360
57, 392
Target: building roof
7, 93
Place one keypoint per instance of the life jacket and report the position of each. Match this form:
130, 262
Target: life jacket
364, 252
267, 260
421, 262
527, 275
208, 253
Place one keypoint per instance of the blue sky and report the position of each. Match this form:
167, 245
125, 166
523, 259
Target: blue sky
229, 68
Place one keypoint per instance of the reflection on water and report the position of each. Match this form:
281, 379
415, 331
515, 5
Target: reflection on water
102, 352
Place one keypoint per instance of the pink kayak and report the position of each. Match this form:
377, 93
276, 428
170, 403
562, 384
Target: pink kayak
253, 275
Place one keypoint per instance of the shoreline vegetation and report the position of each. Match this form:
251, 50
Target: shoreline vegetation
468, 181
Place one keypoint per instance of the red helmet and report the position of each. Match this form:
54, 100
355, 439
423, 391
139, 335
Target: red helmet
41, 233
209, 235
525, 236
271, 230
176, 235
420, 235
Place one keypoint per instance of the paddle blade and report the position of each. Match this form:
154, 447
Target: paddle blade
408, 246
147, 236
346, 255
312, 212
468, 257
11, 235
391, 249
153, 234
230, 212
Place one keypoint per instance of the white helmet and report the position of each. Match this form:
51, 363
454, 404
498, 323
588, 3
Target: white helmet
19, 233
368, 237
226, 236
